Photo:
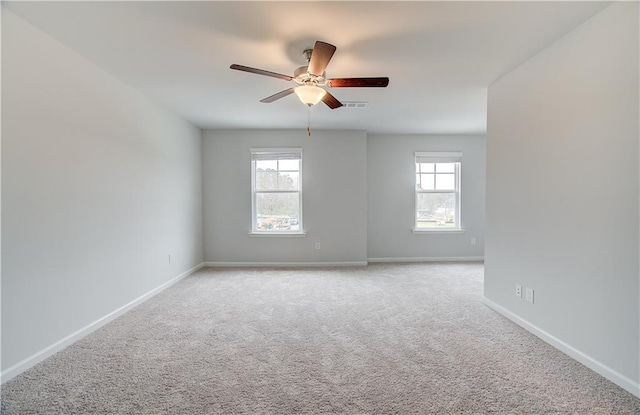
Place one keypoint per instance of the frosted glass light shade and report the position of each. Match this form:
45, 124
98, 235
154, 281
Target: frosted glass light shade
310, 95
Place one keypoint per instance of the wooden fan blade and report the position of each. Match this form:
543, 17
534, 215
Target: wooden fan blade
260, 72
320, 57
331, 101
357, 82
277, 96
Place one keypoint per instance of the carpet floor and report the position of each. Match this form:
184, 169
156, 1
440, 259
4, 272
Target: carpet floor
382, 339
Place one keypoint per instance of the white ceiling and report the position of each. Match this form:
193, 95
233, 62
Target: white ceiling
440, 56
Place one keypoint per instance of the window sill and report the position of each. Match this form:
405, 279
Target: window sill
435, 231
277, 234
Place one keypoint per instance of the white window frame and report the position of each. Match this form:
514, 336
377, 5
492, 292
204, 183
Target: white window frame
275, 154
439, 157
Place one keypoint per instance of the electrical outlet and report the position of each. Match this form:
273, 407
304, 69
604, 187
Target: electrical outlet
317, 245
518, 290
529, 295
473, 241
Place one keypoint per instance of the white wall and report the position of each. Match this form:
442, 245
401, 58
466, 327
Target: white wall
391, 174
99, 186
334, 182
562, 193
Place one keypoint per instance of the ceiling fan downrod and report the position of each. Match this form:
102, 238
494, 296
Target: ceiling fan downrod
307, 55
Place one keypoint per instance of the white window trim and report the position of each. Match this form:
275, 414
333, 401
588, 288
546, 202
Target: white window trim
439, 157
279, 233
422, 231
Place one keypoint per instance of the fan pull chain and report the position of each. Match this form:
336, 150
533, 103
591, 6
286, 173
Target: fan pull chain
309, 121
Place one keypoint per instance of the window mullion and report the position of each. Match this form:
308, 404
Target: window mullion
277, 191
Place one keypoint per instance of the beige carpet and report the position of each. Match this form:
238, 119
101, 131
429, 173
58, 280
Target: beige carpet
407, 338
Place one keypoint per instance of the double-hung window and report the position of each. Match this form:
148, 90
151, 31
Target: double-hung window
437, 204
276, 190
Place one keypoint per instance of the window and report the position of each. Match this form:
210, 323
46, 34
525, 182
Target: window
437, 191
276, 190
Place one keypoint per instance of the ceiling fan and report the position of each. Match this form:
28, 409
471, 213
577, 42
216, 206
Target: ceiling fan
311, 77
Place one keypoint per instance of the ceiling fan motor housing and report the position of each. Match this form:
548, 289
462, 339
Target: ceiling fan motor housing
302, 76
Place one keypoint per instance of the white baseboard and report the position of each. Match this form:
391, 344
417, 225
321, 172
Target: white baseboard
287, 264
429, 259
341, 264
604, 370
38, 357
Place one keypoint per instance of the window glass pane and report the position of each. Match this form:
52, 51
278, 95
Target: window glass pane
427, 167
446, 167
445, 181
289, 164
426, 180
436, 210
266, 180
277, 211
288, 181
266, 164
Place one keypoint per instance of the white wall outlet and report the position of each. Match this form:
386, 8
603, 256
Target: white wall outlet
473, 241
529, 295
518, 290
317, 245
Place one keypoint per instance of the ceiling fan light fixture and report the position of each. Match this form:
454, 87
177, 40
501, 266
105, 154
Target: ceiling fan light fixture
310, 95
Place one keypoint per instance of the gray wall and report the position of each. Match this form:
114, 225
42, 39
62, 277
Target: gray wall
391, 174
99, 186
334, 182
562, 192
